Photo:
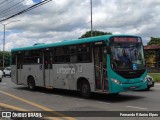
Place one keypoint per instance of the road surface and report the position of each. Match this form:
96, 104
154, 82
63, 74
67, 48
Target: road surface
64, 104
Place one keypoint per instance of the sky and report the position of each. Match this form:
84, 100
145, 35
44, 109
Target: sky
68, 19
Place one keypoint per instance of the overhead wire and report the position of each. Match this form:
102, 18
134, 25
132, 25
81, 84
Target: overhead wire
3, 2
9, 10
13, 10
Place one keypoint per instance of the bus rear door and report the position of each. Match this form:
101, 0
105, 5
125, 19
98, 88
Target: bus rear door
48, 55
19, 64
100, 63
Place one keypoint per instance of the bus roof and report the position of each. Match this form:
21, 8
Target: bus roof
69, 42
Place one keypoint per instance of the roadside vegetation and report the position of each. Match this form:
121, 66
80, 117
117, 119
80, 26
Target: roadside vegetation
156, 76
6, 59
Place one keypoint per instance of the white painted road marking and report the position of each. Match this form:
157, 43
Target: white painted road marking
77, 99
156, 88
38, 106
157, 84
103, 102
58, 96
137, 107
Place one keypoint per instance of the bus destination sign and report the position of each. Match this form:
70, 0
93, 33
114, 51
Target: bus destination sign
126, 39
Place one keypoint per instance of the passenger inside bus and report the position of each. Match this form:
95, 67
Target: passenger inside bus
124, 59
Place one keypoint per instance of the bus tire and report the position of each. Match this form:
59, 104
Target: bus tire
114, 94
148, 88
85, 90
31, 83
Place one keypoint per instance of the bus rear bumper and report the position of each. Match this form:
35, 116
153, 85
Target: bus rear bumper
128, 87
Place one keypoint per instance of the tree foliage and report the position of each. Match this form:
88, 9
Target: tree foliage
6, 58
154, 41
95, 33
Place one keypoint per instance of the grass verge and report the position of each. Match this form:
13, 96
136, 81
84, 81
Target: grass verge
156, 76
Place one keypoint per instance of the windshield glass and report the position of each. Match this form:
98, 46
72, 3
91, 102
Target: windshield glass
126, 56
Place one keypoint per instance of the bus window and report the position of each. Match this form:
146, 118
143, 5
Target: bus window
125, 56
31, 57
13, 59
84, 53
59, 51
72, 49
59, 55
59, 59
73, 58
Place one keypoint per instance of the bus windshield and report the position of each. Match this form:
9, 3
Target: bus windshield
127, 56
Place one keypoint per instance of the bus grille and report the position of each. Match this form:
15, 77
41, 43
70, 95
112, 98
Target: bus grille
131, 74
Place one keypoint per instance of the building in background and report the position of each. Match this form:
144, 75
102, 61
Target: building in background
152, 55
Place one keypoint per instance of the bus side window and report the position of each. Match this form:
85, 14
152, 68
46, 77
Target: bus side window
73, 58
59, 55
19, 60
84, 53
73, 53
13, 59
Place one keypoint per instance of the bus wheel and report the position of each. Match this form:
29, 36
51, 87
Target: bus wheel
148, 88
85, 89
31, 83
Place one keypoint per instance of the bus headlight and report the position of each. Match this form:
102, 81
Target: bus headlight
145, 79
116, 81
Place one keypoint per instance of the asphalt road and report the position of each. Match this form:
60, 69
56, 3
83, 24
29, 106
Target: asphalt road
62, 103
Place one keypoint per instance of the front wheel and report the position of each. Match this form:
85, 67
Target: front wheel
31, 83
148, 88
85, 89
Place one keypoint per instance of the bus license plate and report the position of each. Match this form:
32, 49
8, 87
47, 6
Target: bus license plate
132, 87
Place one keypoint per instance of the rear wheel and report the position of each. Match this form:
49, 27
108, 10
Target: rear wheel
85, 89
31, 83
0, 79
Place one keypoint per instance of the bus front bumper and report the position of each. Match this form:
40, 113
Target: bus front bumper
116, 88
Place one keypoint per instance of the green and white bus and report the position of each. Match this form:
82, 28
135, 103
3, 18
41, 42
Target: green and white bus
104, 64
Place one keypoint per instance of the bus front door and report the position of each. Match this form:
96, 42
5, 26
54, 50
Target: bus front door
19, 64
48, 69
100, 61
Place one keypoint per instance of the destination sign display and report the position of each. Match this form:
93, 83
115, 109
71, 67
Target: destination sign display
127, 39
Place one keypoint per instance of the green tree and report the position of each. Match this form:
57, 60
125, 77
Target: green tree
95, 33
154, 41
6, 58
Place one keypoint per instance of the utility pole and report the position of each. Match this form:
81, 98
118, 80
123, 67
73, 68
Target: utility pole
91, 19
4, 34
